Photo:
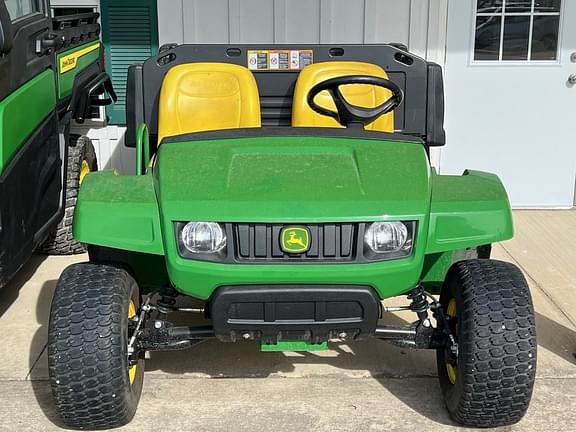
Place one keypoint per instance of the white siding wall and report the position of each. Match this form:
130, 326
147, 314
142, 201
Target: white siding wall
290, 21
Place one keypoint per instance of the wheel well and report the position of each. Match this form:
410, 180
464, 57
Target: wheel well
148, 270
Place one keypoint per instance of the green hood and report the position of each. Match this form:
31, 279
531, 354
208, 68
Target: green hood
292, 179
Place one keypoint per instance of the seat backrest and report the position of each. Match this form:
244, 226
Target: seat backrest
207, 96
356, 94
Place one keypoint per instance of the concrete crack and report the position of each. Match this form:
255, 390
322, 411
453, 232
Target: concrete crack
35, 363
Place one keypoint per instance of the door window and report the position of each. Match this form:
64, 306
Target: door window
517, 30
20, 8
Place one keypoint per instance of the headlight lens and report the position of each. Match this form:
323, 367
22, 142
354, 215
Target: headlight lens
203, 237
388, 237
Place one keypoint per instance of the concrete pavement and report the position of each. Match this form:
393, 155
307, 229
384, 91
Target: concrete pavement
362, 386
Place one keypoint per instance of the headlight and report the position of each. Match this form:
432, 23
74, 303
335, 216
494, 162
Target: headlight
393, 238
203, 237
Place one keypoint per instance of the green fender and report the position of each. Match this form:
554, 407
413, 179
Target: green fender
119, 212
468, 211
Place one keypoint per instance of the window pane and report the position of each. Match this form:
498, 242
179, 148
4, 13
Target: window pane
489, 6
547, 6
516, 6
545, 37
20, 8
487, 43
516, 33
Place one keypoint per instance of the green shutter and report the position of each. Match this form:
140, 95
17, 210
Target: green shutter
130, 35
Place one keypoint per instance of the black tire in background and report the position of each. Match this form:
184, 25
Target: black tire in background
61, 240
490, 382
88, 336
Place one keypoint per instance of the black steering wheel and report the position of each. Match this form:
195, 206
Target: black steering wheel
347, 114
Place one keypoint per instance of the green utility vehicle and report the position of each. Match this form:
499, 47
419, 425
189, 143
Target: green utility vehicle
289, 190
51, 71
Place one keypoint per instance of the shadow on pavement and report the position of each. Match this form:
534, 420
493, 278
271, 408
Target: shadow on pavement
37, 359
389, 365
556, 338
10, 292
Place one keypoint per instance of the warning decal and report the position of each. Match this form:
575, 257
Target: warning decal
279, 60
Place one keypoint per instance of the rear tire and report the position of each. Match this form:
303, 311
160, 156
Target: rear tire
61, 240
490, 382
92, 382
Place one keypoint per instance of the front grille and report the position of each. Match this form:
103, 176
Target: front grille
328, 242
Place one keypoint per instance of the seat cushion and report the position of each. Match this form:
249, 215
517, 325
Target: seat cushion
207, 96
357, 94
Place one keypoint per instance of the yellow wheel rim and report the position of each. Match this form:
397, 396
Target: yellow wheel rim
84, 170
452, 372
452, 312
132, 370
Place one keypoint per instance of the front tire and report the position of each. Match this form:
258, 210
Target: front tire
489, 310
93, 383
81, 162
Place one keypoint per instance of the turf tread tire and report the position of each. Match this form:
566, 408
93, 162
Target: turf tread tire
61, 241
87, 347
497, 344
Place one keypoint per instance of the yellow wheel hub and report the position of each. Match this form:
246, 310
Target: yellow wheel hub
131, 314
84, 170
452, 312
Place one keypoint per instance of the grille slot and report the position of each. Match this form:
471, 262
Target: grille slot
328, 242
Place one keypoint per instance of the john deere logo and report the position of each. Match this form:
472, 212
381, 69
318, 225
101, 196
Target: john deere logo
295, 240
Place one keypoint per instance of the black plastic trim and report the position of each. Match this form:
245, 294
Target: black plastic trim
329, 242
31, 196
134, 104
86, 96
6, 36
76, 29
282, 131
314, 313
435, 134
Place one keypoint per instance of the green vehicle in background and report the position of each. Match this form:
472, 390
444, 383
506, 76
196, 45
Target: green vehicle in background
289, 191
51, 72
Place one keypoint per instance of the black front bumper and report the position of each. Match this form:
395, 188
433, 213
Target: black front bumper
313, 313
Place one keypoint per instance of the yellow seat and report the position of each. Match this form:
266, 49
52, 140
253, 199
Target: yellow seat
356, 94
207, 96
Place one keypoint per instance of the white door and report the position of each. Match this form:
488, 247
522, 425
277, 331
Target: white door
510, 106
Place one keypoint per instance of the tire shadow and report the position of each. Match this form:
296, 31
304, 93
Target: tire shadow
556, 338
38, 362
9, 294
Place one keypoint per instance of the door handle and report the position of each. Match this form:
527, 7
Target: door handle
49, 41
